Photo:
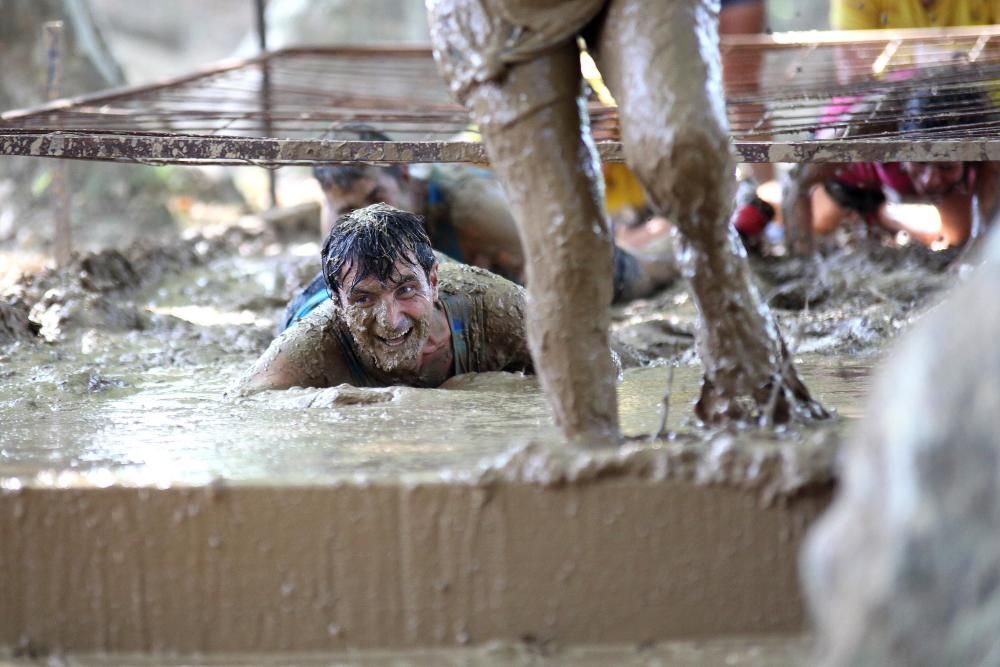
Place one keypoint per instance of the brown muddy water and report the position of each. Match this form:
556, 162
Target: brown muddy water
126, 385
147, 405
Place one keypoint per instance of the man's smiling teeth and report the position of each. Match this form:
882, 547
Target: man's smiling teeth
398, 340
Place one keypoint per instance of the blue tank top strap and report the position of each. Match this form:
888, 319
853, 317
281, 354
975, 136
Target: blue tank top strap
310, 304
457, 309
305, 301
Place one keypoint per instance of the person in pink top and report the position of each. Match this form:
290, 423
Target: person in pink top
965, 194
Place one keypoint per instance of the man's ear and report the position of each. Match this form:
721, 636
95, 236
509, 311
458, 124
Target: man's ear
432, 280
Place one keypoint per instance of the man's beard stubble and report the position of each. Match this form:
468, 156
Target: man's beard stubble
366, 332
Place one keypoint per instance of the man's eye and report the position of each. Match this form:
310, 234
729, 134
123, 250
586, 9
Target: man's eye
361, 300
406, 290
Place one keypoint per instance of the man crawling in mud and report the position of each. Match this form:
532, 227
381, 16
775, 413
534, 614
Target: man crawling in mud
398, 316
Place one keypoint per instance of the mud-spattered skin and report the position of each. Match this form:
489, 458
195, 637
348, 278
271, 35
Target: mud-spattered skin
920, 499
519, 75
372, 325
497, 339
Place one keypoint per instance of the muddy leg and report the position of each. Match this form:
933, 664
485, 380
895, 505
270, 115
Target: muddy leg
676, 140
540, 146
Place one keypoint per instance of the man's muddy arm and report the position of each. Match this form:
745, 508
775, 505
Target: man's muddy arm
504, 333
307, 354
797, 204
272, 370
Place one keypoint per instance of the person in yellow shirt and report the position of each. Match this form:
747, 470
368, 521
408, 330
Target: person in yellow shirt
901, 14
875, 14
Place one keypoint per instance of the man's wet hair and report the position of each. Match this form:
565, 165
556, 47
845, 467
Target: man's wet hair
932, 110
371, 240
344, 175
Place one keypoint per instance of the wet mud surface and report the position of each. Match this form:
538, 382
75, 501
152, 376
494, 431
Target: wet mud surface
115, 370
738, 652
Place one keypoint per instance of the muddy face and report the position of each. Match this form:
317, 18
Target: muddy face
390, 322
376, 186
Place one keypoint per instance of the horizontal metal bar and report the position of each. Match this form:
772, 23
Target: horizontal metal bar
871, 150
169, 149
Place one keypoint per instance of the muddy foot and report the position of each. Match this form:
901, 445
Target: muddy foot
780, 399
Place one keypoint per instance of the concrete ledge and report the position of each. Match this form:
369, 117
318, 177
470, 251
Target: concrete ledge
310, 568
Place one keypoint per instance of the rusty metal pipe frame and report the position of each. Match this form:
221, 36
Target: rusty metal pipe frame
265, 94
168, 149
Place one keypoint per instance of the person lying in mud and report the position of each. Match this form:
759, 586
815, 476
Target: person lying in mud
399, 315
966, 195
467, 218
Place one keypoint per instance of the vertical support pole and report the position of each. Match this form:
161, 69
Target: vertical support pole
265, 96
62, 239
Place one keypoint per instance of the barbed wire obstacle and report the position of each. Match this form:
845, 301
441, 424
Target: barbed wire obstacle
295, 106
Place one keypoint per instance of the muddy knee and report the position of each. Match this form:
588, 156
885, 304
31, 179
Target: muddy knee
688, 172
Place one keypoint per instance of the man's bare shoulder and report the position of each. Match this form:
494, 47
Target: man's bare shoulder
480, 284
306, 354
496, 308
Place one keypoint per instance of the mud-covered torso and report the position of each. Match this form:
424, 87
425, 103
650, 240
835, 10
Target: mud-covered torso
485, 314
490, 310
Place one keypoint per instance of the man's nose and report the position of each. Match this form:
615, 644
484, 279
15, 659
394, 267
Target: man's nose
390, 314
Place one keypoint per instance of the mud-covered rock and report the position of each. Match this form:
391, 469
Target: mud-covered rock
107, 271
61, 312
14, 324
905, 568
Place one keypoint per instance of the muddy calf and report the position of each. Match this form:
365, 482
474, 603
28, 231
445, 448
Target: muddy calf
905, 567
